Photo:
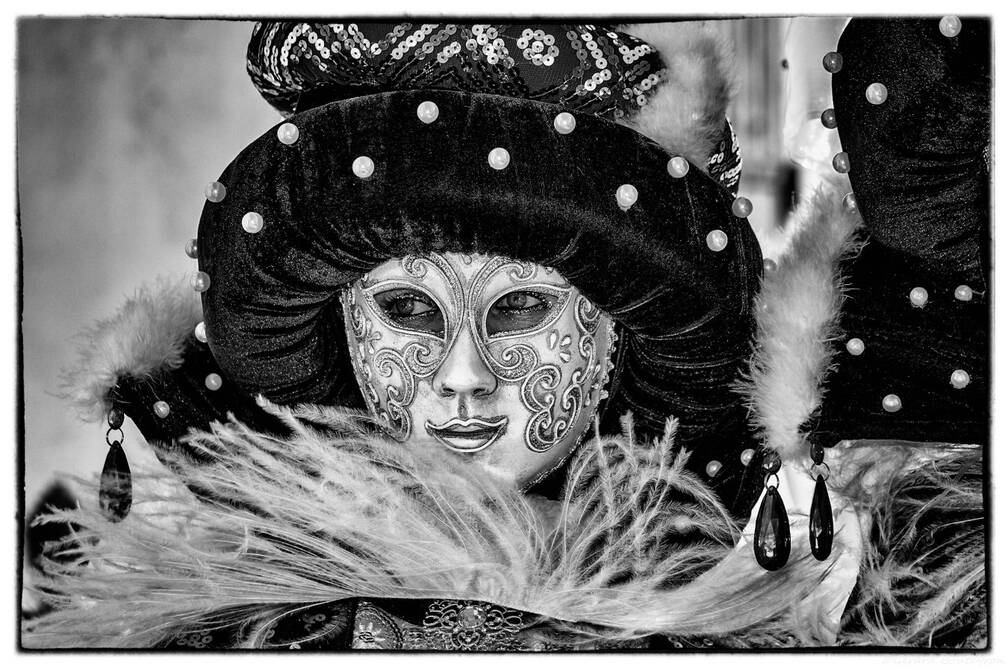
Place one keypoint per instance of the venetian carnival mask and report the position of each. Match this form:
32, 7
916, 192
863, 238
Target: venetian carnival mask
501, 360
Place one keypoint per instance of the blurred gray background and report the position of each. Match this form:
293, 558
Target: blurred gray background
122, 122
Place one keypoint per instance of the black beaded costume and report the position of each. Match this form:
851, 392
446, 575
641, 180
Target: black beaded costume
304, 528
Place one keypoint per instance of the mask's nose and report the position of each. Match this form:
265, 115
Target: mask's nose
463, 372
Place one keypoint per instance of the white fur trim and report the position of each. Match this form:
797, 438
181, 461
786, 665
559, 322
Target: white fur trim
147, 333
686, 115
797, 311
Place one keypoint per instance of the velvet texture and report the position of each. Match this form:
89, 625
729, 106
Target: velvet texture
919, 160
920, 174
682, 310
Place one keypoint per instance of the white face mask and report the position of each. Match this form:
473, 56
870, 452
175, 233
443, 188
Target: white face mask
502, 360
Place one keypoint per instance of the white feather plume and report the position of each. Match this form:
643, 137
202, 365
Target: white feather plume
798, 309
335, 512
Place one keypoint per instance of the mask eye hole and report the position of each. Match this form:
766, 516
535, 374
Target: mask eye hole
411, 309
519, 311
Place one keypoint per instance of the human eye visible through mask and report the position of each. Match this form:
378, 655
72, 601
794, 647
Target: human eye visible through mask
519, 311
411, 309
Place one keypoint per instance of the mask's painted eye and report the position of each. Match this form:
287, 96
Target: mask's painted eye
518, 311
411, 309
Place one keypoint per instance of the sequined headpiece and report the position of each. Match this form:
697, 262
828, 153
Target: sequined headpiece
583, 68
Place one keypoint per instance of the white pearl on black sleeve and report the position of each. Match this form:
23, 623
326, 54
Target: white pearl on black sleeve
200, 282
877, 93
215, 191
499, 158
564, 123
950, 26
717, 240
363, 167
960, 379
626, 196
678, 167
892, 403
855, 346
252, 222
427, 111
741, 207
288, 133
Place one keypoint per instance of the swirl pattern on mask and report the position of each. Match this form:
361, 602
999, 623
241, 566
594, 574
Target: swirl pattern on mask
362, 340
553, 418
514, 361
399, 397
555, 363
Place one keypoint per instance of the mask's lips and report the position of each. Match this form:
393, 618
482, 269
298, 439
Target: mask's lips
468, 435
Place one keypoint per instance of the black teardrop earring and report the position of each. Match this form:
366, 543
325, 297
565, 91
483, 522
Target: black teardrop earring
772, 540
821, 512
115, 492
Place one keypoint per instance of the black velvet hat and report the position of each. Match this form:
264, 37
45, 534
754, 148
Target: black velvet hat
364, 174
912, 100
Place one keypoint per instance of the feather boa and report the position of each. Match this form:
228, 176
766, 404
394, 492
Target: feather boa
339, 512
639, 545
923, 579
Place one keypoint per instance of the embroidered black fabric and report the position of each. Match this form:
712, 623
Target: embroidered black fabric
920, 174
